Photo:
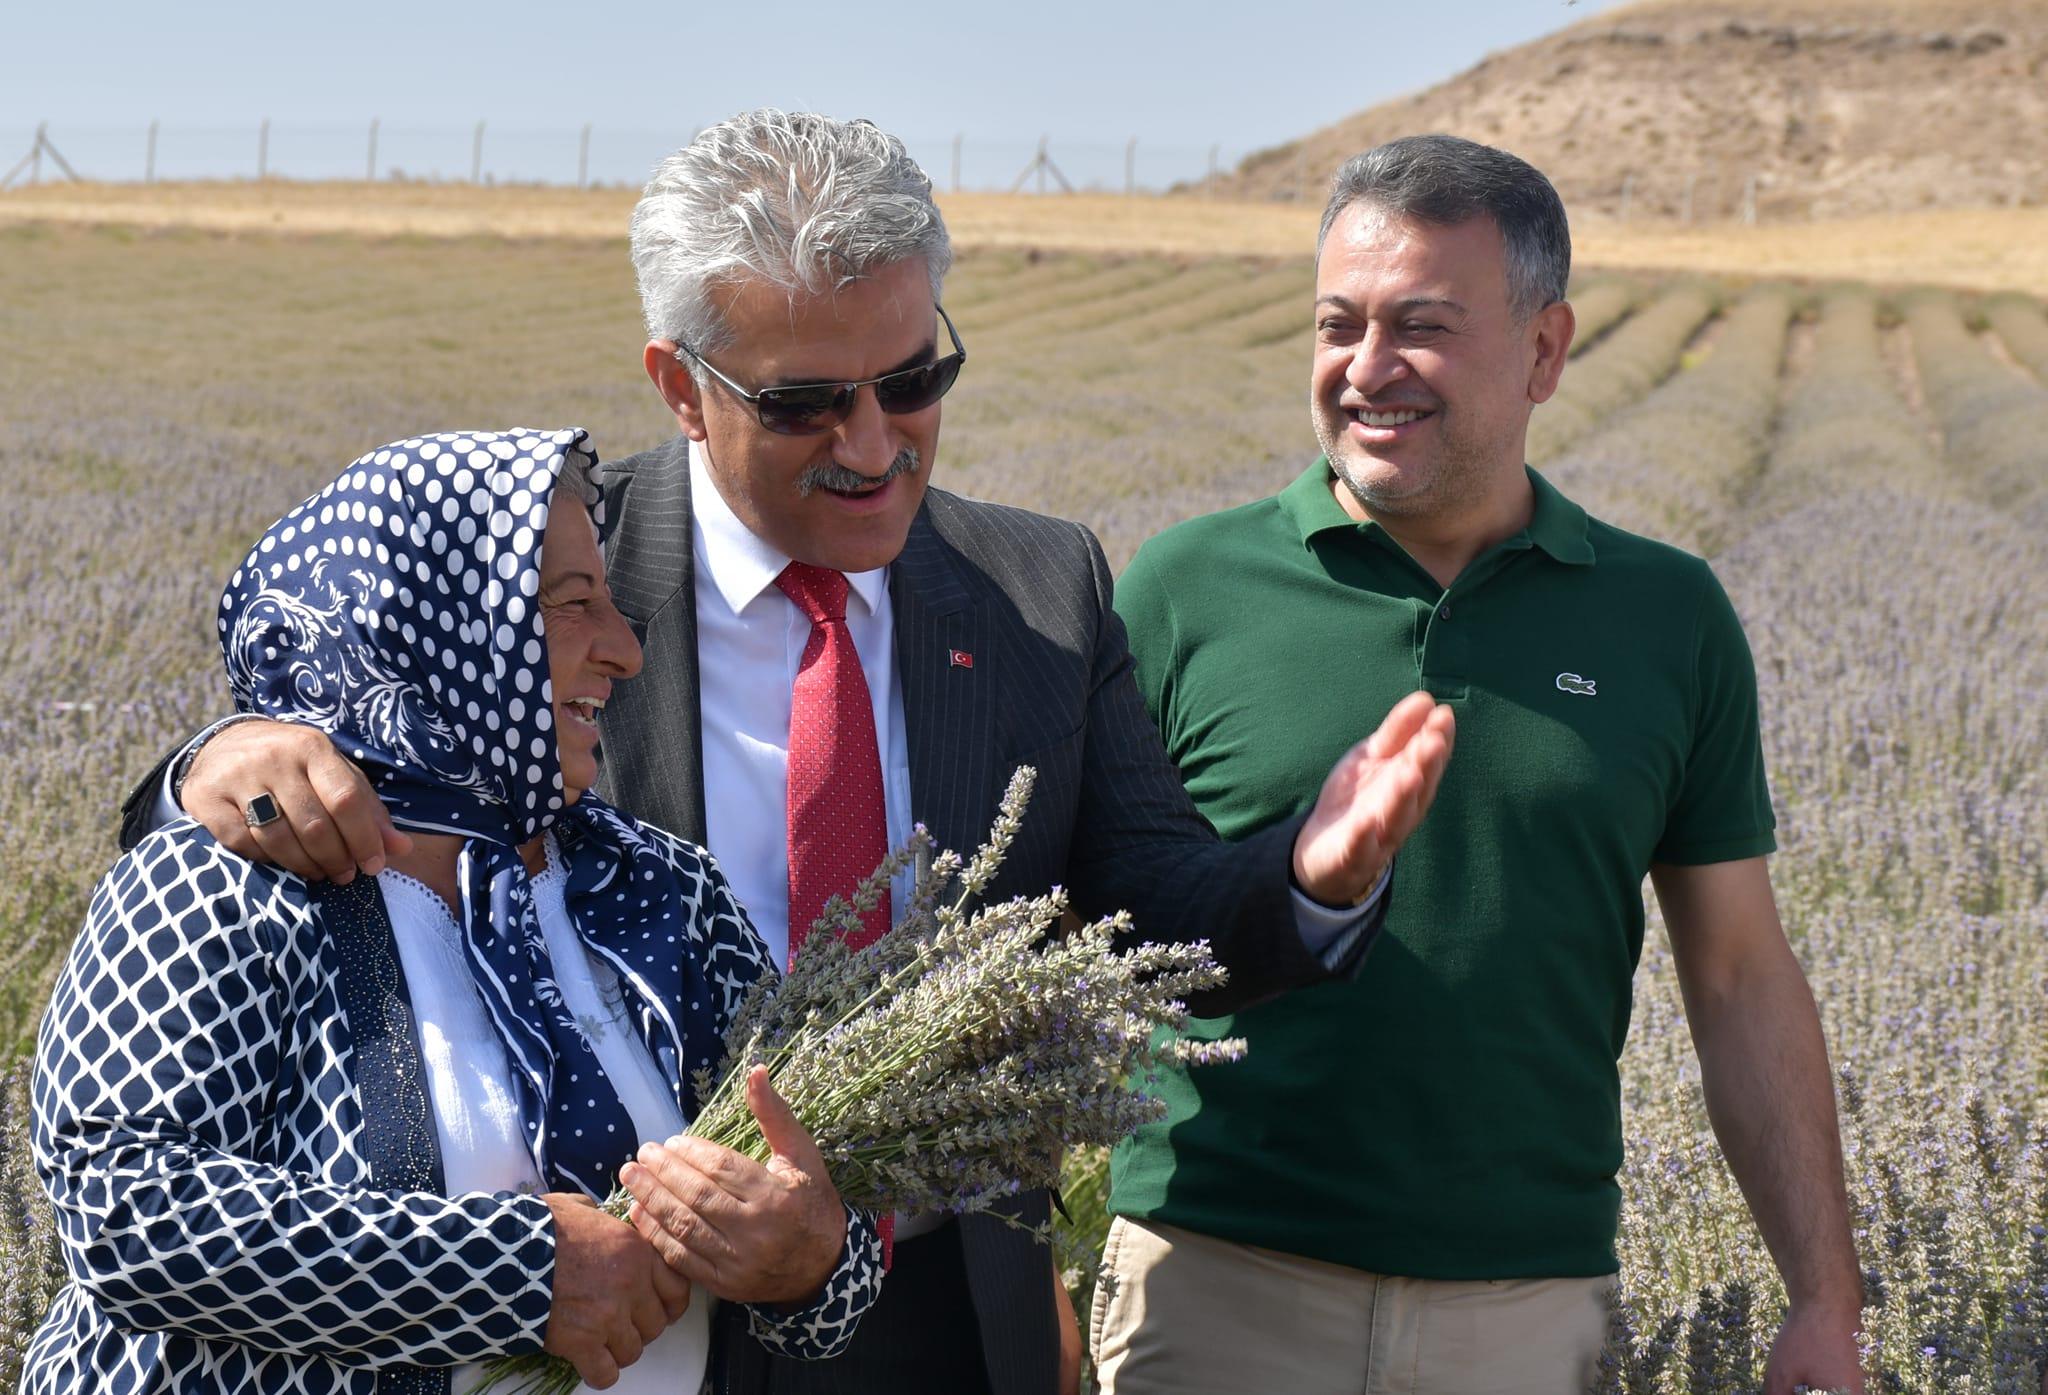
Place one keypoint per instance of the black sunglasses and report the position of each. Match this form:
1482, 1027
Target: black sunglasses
812, 408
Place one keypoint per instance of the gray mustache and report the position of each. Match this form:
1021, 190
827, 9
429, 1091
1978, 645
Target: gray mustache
833, 475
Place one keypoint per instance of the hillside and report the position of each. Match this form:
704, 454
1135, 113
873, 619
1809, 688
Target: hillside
1836, 107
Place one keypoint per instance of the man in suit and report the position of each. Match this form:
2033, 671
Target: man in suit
833, 650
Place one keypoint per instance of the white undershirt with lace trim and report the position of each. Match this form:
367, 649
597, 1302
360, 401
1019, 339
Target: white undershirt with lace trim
469, 1083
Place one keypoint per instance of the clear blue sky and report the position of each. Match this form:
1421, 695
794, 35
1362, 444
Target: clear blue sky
1088, 76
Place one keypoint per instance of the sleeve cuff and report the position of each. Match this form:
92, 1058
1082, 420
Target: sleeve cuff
167, 808
1326, 931
823, 1328
1726, 850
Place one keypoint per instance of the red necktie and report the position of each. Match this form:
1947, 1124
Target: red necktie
838, 823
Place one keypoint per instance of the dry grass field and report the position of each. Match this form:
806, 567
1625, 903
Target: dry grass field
1972, 249
1085, 221
1864, 466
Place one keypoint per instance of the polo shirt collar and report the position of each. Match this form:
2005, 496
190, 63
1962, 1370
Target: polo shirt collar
740, 564
1557, 525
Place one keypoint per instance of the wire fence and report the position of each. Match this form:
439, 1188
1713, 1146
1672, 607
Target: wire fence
589, 155
621, 157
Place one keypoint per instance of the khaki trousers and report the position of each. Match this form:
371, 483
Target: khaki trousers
1192, 1313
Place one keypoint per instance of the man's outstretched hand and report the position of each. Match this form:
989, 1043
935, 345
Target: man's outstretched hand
1374, 797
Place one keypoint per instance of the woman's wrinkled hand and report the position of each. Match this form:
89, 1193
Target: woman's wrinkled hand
612, 1294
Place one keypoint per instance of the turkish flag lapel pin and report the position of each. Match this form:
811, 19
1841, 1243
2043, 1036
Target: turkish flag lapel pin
962, 659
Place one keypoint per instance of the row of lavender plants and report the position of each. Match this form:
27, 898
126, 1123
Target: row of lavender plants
1993, 415
1620, 366
1672, 465
2023, 330
1899, 618
1599, 307
1845, 423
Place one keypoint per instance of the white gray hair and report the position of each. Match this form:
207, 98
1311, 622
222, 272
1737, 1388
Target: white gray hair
792, 199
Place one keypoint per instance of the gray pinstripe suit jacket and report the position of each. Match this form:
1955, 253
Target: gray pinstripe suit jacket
1028, 597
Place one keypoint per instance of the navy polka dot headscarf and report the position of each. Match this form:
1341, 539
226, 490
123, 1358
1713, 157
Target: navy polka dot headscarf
397, 610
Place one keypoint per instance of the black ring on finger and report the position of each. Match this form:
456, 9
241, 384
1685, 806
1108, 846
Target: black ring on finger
261, 810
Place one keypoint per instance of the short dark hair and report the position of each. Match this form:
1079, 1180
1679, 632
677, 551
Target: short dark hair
1447, 181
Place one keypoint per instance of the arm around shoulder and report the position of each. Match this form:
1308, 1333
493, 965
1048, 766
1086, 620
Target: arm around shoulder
158, 1066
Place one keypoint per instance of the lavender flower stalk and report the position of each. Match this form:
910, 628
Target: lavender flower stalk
948, 1064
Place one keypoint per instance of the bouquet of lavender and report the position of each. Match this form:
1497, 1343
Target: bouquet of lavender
948, 1064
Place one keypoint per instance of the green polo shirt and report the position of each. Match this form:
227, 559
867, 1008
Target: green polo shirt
1455, 1111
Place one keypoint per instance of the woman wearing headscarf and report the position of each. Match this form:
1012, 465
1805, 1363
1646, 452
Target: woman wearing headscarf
306, 1138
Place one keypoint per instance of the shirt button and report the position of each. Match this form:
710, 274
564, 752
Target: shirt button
1443, 612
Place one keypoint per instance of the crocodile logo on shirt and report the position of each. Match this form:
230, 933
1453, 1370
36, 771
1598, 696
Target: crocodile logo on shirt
1572, 683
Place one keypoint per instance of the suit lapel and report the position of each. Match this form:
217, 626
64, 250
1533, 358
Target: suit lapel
948, 680
653, 728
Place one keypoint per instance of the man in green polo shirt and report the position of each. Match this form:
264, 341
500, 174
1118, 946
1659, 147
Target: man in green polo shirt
1408, 1184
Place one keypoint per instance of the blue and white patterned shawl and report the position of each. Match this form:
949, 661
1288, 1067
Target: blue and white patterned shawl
397, 610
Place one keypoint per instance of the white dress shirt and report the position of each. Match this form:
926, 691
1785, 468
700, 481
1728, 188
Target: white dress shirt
469, 1084
750, 642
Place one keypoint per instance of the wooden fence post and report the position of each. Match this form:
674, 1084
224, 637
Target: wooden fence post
370, 160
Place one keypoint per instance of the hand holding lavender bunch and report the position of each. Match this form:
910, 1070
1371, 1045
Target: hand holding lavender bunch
948, 1064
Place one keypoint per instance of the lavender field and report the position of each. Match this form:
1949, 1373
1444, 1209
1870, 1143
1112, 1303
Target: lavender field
1869, 471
